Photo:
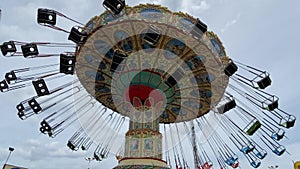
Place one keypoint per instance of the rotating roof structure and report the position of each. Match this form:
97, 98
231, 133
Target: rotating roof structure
163, 73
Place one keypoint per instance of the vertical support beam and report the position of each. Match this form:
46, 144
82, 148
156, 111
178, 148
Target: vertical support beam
194, 144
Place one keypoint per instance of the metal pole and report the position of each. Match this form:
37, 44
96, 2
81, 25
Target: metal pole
10, 151
194, 144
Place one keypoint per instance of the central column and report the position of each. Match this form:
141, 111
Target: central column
143, 138
143, 145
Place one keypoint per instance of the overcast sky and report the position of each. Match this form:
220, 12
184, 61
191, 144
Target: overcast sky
264, 33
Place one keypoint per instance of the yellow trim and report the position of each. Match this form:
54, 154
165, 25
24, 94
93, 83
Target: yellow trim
151, 162
212, 34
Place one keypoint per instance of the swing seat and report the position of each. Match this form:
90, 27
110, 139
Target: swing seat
83, 148
278, 135
272, 106
10, 76
235, 165
231, 160
21, 111
255, 164
247, 149
8, 47
207, 165
34, 105
29, 50
21, 115
20, 107
114, 6
234, 157
72, 146
67, 64
199, 29
230, 69
252, 127
97, 158
76, 36
46, 16
3, 86
228, 162
152, 35
279, 150
227, 106
40, 87
265, 82
290, 122
261, 155
103, 156
45, 127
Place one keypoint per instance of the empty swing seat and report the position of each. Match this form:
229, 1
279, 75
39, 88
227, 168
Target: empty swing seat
86, 146
278, 135
199, 29
272, 106
230, 69
46, 16
21, 115
21, 111
255, 164
83, 148
252, 127
289, 121
114, 6
29, 50
247, 149
45, 127
3, 86
261, 155
227, 106
35, 106
67, 63
40, 87
72, 146
279, 150
97, 158
152, 35
8, 47
265, 82
76, 36
10, 76
20, 107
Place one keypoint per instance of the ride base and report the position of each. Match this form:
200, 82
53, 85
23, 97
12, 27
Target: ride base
142, 163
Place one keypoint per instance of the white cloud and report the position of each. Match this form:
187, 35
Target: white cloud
35, 150
203, 5
231, 23
195, 7
34, 153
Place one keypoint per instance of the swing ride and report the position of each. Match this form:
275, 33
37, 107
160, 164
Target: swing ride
146, 82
